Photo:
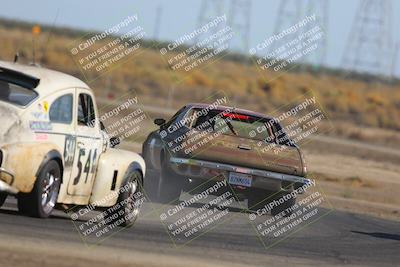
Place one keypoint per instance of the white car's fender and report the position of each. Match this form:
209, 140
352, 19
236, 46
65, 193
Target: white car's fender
24, 160
114, 165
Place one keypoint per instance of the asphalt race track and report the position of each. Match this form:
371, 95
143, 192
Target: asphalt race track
336, 239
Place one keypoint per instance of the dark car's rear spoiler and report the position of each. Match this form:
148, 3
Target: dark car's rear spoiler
19, 78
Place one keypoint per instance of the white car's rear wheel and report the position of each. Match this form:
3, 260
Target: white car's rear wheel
43, 198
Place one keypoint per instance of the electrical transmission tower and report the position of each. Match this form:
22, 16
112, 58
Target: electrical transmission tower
369, 48
289, 13
209, 10
319, 8
239, 21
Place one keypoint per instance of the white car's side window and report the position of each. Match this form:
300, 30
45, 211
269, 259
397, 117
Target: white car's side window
61, 109
86, 113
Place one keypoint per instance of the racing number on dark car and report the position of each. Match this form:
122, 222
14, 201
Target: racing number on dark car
89, 165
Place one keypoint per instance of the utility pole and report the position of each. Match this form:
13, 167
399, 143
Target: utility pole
36, 30
395, 60
370, 48
156, 34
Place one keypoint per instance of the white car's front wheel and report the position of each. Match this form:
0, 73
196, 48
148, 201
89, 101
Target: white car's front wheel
130, 200
43, 198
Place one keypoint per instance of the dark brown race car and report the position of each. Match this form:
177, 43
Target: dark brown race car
249, 150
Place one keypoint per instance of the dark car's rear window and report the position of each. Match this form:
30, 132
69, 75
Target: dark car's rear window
17, 88
242, 125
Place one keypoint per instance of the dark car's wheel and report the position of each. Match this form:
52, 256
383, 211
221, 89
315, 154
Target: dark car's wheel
169, 185
257, 198
41, 200
3, 197
151, 183
130, 200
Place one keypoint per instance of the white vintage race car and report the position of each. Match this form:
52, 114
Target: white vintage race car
53, 148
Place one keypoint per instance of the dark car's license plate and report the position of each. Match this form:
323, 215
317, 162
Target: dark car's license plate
240, 179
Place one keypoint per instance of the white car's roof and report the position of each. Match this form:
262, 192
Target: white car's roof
50, 80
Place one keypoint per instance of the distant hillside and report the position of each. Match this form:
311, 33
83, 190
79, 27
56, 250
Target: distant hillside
359, 99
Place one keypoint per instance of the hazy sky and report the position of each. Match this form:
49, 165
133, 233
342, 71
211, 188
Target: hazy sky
178, 17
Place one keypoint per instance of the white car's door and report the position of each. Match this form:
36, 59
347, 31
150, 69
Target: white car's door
59, 107
88, 146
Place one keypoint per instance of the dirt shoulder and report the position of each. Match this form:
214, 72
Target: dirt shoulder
357, 178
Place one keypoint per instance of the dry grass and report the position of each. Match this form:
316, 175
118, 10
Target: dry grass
345, 100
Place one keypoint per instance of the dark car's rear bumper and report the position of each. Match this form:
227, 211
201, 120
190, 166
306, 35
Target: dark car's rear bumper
262, 179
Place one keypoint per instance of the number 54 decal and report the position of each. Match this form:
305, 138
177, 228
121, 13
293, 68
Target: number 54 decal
90, 165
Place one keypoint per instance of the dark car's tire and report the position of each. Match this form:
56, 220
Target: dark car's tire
41, 201
130, 200
3, 197
151, 183
169, 185
285, 206
257, 198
